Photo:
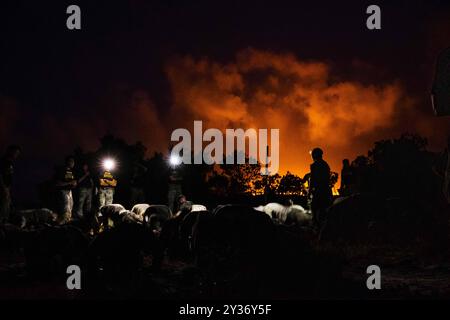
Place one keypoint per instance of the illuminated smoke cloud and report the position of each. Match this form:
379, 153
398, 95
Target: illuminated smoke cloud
258, 89
267, 90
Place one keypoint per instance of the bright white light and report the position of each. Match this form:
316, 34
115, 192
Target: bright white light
175, 160
109, 164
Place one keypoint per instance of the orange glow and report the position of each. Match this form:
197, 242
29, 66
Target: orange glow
257, 89
267, 90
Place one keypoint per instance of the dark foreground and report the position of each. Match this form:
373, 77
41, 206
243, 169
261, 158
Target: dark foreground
403, 278
291, 263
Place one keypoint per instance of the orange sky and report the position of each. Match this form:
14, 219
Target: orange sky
266, 90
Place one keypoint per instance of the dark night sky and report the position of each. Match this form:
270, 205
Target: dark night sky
50, 75
49, 68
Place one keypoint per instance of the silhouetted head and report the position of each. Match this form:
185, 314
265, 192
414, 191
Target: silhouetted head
70, 162
13, 152
85, 167
346, 163
316, 154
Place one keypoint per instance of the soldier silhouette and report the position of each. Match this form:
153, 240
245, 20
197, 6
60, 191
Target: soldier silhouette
319, 185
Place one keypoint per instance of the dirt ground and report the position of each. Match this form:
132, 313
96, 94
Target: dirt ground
408, 271
403, 276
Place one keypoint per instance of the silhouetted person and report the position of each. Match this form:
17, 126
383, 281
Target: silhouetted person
347, 179
440, 96
442, 169
175, 180
137, 184
319, 185
446, 186
65, 183
85, 192
6, 177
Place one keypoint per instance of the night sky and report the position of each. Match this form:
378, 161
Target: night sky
139, 69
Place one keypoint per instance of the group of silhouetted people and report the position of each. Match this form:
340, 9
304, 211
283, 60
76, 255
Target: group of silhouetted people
81, 193
92, 191
88, 187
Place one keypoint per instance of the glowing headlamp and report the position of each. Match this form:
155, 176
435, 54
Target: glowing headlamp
175, 160
109, 164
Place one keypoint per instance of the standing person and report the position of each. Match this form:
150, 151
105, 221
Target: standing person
446, 186
107, 184
320, 188
137, 184
175, 180
6, 177
441, 168
65, 183
85, 191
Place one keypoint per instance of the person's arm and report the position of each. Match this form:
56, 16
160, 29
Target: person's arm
438, 165
112, 182
108, 182
436, 172
144, 168
87, 174
306, 177
60, 183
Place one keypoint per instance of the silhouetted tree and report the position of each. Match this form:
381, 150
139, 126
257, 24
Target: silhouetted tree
242, 178
363, 174
218, 184
291, 184
400, 166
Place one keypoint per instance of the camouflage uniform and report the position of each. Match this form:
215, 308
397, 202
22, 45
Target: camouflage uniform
84, 204
65, 198
85, 192
65, 206
105, 196
106, 190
